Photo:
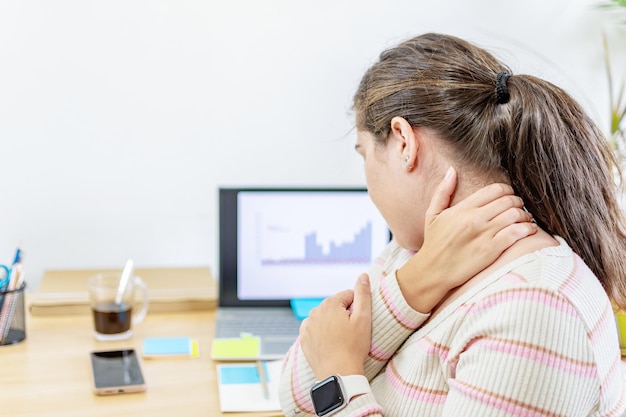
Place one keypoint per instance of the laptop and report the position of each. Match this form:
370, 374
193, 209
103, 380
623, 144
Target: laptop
280, 245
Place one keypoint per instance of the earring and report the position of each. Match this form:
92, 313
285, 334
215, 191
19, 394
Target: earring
406, 162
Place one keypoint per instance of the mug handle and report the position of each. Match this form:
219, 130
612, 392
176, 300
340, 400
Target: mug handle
141, 314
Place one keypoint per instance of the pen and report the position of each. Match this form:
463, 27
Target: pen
16, 271
261, 369
18, 256
20, 277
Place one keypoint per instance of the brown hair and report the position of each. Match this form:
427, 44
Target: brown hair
556, 158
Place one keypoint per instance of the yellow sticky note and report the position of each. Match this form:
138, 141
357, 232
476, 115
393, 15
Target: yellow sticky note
245, 347
195, 349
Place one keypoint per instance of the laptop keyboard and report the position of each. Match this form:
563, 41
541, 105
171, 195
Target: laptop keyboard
258, 326
279, 322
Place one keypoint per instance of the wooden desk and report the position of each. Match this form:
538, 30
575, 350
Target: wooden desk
48, 374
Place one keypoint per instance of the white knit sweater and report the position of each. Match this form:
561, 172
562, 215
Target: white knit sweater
536, 338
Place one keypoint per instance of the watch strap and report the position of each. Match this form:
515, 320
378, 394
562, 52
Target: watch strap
354, 385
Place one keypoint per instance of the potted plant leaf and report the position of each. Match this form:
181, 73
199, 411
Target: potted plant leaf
617, 92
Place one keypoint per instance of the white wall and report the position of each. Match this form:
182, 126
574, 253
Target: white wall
119, 119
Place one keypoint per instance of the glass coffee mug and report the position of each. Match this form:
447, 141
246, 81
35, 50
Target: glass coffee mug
113, 316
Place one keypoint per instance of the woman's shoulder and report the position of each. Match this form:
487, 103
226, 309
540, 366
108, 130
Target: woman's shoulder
551, 278
555, 268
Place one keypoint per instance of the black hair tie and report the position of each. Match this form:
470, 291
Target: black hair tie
502, 92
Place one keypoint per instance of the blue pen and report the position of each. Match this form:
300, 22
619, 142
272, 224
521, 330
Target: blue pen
18, 256
16, 270
12, 274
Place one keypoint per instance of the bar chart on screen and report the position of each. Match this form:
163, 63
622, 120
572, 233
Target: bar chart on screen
356, 250
307, 246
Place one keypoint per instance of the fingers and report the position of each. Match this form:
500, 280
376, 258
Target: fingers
443, 194
358, 301
514, 232
509, 216
508, 208
514, 221
510, 225
342, 299
335, 341
362, 305
345, 298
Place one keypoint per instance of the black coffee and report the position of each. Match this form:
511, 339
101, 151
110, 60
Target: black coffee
111, 318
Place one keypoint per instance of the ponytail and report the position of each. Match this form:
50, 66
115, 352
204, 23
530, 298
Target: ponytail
560, 164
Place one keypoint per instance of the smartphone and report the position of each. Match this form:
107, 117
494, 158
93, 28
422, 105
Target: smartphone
116, 372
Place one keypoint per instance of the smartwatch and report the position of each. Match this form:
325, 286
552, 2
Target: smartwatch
334, 393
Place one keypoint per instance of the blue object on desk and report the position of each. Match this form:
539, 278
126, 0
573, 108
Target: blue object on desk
4, 280
169, 346
240, 374
302, 306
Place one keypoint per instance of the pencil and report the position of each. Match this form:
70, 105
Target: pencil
261, 370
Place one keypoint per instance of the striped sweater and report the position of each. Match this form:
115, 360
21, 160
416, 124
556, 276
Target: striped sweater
536, 338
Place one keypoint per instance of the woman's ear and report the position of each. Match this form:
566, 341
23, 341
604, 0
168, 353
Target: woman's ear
405, 141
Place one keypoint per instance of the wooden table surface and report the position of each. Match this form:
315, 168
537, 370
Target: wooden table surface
48, 374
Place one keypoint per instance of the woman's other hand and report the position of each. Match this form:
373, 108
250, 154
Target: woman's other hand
335, 337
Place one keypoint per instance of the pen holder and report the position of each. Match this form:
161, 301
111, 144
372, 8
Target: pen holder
12, 316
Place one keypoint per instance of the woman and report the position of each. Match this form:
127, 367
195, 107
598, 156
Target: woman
533, 333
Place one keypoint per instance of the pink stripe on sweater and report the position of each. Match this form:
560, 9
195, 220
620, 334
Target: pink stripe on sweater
431, 348
537, 295
513, 278
619, 408
508, 405
413, 391
615, 368
301, 398
379, 354
575, 278
395, 311
537, 354
367, 411
606, 321
465, 309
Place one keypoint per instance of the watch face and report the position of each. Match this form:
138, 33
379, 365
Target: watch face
327, 396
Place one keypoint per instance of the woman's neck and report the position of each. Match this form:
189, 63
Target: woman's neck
468, 183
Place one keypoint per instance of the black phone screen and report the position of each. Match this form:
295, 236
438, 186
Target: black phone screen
117, 368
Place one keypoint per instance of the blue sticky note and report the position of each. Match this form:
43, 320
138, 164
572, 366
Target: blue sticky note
302, 306
239, 374
167, 346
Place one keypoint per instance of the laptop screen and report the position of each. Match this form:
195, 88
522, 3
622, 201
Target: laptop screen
278, 244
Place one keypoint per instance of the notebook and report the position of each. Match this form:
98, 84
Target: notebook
281, 244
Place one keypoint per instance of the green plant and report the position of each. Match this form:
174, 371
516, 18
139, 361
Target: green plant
614, 3
617, 98
617, 94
